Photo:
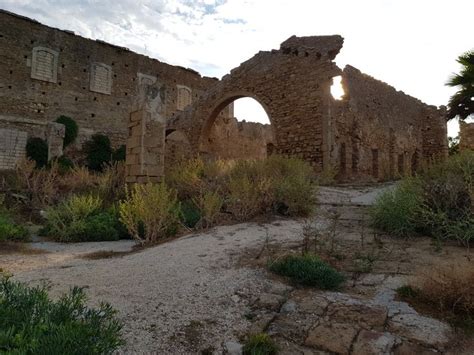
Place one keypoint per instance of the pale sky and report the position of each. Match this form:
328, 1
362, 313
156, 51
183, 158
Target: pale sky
410, 44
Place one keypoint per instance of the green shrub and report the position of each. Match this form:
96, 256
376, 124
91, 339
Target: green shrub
190, 214
260, 344
72, 129
396, 210
186, 178
82, 219
439, 202
308, 270
209, 204
64, 164
294, 191
32, 323
247, 188
10, 231
120, 153
248, 192
150, 212
98, 152
37, 150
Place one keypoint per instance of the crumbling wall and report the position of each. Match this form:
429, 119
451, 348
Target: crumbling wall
382, 133
466, 136
12, 147
230, 139
46, 72
293, 86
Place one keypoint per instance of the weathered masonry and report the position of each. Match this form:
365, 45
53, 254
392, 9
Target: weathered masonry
165, 112
374, 132
466, 136
46, 72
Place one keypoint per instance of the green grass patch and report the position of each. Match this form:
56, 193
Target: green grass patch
260, 344
308, 270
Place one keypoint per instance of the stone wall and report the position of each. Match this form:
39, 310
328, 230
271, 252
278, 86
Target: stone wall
230, 139
46, 72
466, 136
382, 133
293, 86
12, 147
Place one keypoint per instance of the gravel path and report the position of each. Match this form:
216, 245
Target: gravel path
176, 295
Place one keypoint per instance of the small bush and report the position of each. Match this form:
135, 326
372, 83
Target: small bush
98, 152
150, 212
248, 193
396, 211
82, 219
294, 191
37, 150
439, 203
308, 270
72, 129
10, 231
260, 344
209, 204
190, 214
120, 153
186, 178
32, 323
64, 164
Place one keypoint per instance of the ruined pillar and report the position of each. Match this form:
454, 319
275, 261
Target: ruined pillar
146, 138
55, 133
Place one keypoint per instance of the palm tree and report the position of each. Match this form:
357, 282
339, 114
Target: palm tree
461, 104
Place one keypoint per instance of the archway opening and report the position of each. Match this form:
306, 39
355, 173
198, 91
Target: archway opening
241, 130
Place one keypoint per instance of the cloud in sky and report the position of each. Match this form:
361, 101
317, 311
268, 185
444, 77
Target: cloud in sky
411, 44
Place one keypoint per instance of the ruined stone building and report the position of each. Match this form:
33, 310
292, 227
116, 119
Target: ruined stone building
165, 112
466, 136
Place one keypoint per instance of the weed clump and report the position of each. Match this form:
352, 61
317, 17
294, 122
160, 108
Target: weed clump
260, 344
308, 270
150, 212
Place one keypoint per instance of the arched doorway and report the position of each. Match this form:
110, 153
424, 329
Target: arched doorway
239, 128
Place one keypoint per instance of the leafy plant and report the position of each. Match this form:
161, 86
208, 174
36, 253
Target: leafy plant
260, 344
98, 152
72, 129
37, 150
308, 270
150, 212
10, 231
82, 219
32, 323
461, 104
396, 210
190, 213
119, 154
209, 204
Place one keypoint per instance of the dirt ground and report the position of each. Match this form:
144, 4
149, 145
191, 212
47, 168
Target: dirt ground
203, 293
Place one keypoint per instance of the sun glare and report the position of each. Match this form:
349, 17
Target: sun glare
337, 90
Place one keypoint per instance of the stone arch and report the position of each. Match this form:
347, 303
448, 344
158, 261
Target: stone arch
221, 104
293, 86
